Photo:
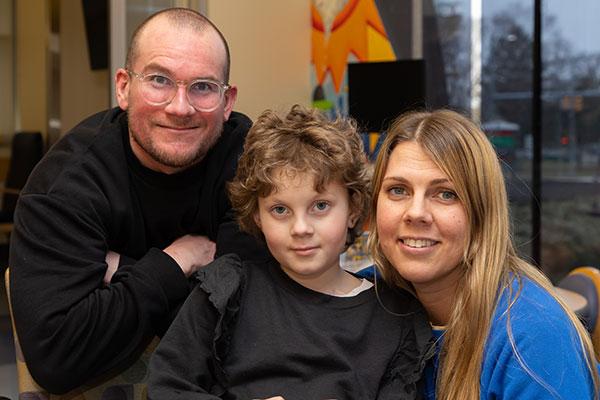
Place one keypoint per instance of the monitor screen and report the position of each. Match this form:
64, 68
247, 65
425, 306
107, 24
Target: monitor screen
380, 91
95, 13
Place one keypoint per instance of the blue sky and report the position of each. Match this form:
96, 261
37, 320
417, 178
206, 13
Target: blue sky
578, 20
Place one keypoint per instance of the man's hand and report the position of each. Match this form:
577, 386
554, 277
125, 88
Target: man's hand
192, 252
112, 262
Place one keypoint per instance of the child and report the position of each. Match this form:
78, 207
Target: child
298, 325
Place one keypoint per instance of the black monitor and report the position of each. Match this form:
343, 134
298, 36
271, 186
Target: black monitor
95, 13
380, 91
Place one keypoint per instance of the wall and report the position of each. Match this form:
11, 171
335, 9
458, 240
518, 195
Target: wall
32, 31
82, 91
6, 71
270, 51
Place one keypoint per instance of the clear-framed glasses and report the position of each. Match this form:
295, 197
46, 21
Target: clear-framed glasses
159, 90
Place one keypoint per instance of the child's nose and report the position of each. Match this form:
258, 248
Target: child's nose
301, 226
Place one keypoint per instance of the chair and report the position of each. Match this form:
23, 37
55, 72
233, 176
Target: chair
27, 149
129, 385
585, 281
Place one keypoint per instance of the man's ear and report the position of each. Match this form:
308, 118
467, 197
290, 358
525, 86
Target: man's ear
230, 97
122, 82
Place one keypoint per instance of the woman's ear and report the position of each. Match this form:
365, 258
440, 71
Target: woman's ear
352, 219
355, 210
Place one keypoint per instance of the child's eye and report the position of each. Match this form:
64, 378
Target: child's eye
321, 206
279, 210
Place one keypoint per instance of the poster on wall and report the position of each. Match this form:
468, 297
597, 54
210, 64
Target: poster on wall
343, 31
363, 64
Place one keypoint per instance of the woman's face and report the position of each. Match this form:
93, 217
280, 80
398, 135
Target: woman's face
422, 225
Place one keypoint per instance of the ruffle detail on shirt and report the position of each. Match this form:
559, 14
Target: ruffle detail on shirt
223, 282
402, 380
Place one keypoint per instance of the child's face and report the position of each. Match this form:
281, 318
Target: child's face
305, 230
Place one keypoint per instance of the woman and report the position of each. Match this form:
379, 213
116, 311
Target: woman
440, 228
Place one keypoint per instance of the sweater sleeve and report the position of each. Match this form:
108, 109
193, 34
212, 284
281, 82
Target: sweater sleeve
187, 363
550, 362
71, 326
182, 365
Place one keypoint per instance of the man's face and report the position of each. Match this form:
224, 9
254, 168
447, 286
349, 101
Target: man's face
172, 137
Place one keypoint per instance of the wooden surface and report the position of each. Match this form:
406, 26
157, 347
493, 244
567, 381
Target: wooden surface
574, 300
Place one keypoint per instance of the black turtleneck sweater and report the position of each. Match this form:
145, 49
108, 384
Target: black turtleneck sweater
90, 195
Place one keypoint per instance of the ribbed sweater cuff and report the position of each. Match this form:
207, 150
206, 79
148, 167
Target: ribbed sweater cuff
167, 274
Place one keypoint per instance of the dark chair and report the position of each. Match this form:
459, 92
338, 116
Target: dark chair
27, 149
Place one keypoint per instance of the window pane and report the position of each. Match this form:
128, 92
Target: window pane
503, 70
506, 104
571, 142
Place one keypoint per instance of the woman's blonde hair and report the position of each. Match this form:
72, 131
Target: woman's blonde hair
304, 141
462, 151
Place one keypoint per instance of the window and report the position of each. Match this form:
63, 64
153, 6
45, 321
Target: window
462, 37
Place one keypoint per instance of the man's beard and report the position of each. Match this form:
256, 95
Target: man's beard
172, 159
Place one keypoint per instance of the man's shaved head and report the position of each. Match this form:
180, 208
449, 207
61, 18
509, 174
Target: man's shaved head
183, 18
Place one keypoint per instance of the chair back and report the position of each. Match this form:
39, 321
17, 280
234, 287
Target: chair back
129, 385
27, 149
586, 282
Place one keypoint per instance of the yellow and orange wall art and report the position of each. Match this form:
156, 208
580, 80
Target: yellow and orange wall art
343, 31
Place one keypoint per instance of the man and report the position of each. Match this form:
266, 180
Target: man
127, 206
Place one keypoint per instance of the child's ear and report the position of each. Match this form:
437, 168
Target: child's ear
257, 219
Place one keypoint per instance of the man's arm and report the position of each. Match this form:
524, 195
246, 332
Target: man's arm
71, 325
190, 252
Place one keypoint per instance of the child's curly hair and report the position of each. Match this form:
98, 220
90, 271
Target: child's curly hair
305, 141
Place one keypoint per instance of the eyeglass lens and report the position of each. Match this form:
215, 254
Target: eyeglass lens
202, 95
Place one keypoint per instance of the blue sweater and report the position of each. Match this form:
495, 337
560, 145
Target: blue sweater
546, 342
